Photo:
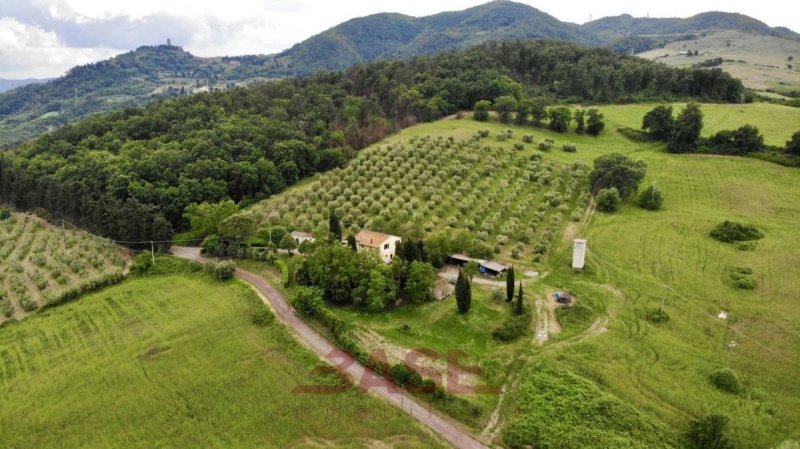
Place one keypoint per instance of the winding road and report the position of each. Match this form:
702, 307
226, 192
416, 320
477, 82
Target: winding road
357, 372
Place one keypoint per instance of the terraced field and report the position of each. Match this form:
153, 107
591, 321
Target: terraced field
38, 262
178, 361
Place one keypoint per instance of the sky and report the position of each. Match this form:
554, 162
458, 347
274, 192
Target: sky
45, 38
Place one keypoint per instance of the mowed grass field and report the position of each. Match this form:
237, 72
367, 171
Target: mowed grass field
175, 361
639, 258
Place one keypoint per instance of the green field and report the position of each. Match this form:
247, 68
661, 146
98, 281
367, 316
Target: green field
38, 262
176, 361
639, 259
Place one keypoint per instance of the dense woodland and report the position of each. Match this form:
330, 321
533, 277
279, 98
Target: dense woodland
131, 174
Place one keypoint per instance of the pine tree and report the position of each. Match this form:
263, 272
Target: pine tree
519, 299
334, 226
463, 293
510, 285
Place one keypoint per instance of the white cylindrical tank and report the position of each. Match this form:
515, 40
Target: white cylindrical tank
578, 253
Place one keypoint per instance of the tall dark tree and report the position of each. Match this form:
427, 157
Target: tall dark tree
617, 170
538, 111
559, 119
519, 309
524, 108
351, 241
463, 293
504, 106
580, 122
659, 122
510, 284
793, 144
686, 134
334, 227
595, 122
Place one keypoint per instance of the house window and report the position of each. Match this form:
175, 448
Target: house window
386, 246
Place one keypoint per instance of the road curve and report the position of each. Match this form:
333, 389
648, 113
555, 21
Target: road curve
357, 372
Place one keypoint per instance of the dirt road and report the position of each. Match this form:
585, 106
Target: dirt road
326, 351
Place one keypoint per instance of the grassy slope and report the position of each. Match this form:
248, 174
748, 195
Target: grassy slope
663, 370
759, 61
175, 362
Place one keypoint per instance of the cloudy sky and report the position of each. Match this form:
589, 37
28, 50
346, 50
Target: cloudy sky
44, 38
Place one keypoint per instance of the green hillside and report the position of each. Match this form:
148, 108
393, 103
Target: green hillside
39, 263
177, 361
130, 79
392, 36
654, 375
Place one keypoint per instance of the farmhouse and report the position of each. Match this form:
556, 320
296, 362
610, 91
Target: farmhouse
384, 245
301, 237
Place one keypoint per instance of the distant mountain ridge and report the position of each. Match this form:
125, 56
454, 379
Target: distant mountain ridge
626, 24
156, 72
391, 36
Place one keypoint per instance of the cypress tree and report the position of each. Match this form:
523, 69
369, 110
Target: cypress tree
519, 299
334, 226
351, 240
510, 284
463, 293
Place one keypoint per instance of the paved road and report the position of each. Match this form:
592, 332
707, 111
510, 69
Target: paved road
352, 367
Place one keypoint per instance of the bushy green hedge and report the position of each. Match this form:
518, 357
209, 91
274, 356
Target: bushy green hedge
514, 326
731, 231
725, 380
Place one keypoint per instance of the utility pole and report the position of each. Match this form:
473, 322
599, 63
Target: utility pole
153, 252
731, 345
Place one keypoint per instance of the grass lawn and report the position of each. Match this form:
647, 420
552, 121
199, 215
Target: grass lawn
176, 362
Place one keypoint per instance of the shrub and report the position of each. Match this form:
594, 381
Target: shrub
519, 146
742, 277
545, 146
746, 246
731, 231
262, 317
5, 213
308, 300
657, 316
608, 199
513, 327
483, 133
725, 380
142, 263
498, 295
569, 147
651, 198
224, 270
709, 432
527, 138
482, 108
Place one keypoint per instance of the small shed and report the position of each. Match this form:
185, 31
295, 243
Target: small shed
492, 268
462, 259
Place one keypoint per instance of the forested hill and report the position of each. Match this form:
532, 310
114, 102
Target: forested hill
130, 174
392, 36
625, 24
129, 79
